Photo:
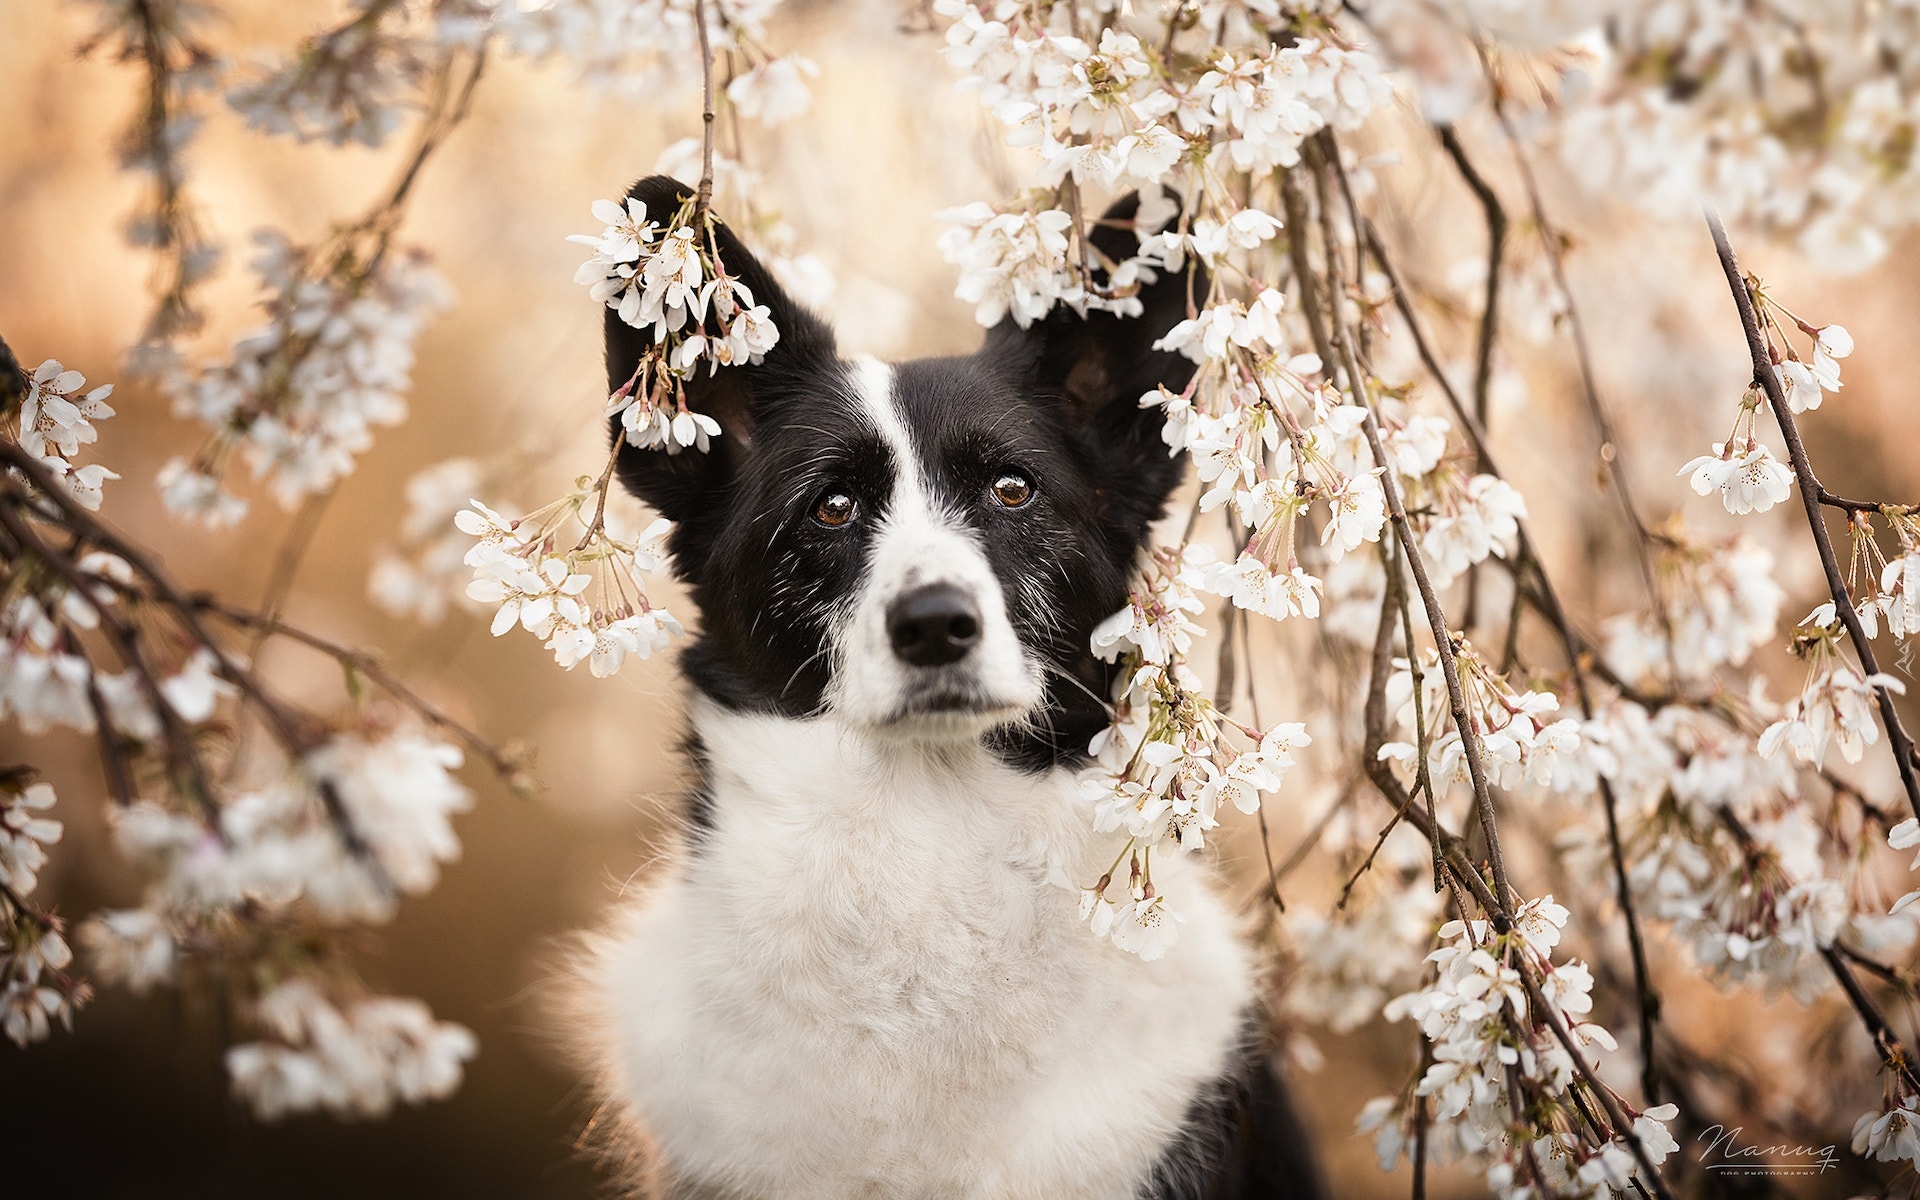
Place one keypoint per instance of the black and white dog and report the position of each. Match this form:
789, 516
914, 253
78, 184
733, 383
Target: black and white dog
866, 975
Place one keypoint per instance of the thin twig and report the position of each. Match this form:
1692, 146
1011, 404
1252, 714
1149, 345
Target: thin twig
1609, 448
1765, 378
181, 753
1496, 217
1429, 596
89, 528
1872, 506
112, 757
704, 196
504, 763
1294, 204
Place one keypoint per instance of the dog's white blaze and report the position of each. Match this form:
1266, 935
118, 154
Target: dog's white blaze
919, 542
871, 982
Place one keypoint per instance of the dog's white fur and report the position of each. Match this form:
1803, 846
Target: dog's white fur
871, 980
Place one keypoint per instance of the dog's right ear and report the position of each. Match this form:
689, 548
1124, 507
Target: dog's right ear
682, 484
1092, 371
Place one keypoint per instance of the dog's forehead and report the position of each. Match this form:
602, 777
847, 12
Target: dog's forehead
922, 412
954, 391
959, 408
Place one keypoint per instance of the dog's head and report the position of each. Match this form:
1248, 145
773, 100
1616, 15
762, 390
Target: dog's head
923, 548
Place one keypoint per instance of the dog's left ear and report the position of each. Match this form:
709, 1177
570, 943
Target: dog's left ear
682, 484
1096, 368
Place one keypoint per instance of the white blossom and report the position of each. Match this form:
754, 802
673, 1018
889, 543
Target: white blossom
24, 836
353, 1060
1835, 707
627, 45
400, 793
198, 496
1480, 519
1721, 600
1748, 481
28, 1010
356, 83
427, 570
774, 92
56, 419
301, 395
1009, 262
1891, 1135
196, 688
133, 947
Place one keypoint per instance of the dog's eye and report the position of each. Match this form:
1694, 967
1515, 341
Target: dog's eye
835, 508
1012, 489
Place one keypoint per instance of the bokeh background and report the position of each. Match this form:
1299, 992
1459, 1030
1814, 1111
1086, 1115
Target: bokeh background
132, 1103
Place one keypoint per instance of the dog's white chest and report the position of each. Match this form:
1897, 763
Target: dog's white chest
871, 980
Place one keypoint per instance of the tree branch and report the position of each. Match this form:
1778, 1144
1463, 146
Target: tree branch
1765, 378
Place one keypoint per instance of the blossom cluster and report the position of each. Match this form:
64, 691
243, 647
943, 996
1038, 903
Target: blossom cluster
628, 45
586, 604
425, 571
348, 813
1717, 601
1885, 588
1164, 767
670, 280
355, 83
1723, 850
1502, 1091
1520, 736
35, 988
1348, 964
1793, 125
300, 397
56, 419
278, 846
354, 1060
1835, 704
662, 274
1114, 112
334, 840
166, 38
1011, 262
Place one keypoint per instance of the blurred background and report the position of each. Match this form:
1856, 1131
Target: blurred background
132, 1103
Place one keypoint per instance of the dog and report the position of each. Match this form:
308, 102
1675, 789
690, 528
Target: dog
866, 974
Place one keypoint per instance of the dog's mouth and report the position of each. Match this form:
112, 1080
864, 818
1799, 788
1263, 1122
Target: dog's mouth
950, 706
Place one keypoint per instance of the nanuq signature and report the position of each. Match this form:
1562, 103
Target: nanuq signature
1737, 1159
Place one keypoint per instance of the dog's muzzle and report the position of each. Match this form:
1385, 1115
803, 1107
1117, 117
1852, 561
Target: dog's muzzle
933, 625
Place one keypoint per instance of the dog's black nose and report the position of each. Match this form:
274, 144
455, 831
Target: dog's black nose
933, 625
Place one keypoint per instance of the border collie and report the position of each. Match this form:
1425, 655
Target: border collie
865, 975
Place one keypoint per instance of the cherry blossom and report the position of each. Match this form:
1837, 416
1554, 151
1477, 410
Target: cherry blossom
1009, 262
1749, 480
354, 1060
1890, 1136
301, 395
24, 836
